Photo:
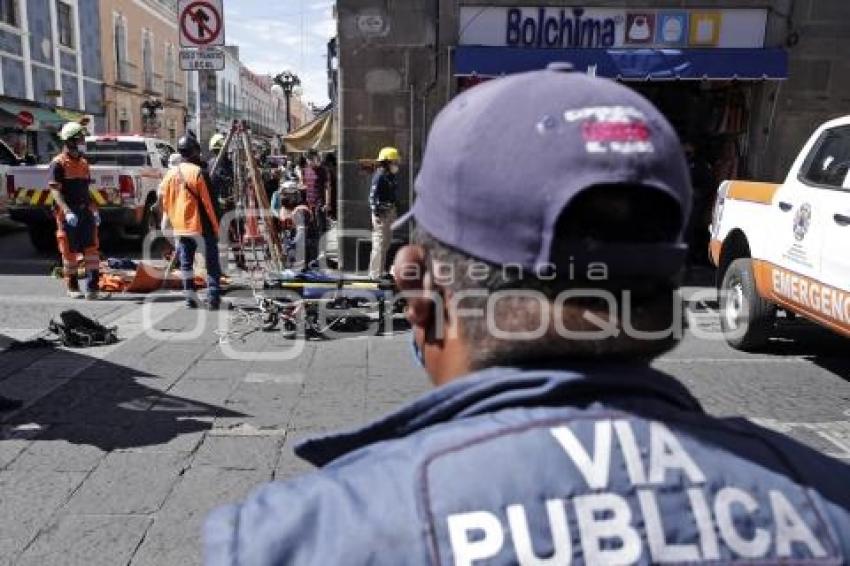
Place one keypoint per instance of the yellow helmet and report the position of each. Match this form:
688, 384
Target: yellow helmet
389, 154
216, 142
71, 130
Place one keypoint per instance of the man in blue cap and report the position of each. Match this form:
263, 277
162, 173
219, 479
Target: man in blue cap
537, 299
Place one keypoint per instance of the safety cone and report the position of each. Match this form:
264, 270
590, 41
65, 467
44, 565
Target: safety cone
252, 229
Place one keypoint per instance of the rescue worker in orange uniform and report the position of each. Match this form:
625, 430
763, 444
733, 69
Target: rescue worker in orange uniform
188, 203
77, 217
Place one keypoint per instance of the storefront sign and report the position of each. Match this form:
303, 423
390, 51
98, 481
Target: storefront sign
577, 27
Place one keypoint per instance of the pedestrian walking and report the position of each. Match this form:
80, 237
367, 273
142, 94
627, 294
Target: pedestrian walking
330, 164
383, 198
188, 203
77, 216
538, 298
317, 189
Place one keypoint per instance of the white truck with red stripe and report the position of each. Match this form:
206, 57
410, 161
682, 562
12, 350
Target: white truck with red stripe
785, 247
126, 171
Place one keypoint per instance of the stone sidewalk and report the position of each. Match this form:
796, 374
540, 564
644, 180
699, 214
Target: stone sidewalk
121, 453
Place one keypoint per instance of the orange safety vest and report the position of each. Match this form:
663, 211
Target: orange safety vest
184, 192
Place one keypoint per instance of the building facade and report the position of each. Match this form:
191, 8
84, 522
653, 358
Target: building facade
261, 109
245, 95
747, 80
144, 90
50, 70
228, 93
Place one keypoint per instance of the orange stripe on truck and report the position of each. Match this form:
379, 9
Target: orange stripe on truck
750, 191
821, 303
714, 249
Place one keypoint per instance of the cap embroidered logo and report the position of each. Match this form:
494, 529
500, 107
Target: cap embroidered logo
620, 129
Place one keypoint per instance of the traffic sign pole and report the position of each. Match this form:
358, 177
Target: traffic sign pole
208, 107
201, 26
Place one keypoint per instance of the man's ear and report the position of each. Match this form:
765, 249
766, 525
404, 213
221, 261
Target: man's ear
413, 279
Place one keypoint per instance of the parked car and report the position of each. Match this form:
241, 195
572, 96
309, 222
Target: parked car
785, 246
126, 171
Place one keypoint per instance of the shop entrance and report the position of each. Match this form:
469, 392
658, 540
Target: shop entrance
712, 119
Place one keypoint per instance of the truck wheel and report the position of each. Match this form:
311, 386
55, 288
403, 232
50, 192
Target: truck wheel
43, 237
745, 317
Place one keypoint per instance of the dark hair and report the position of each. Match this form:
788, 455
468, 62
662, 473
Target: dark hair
629, 214
290, 199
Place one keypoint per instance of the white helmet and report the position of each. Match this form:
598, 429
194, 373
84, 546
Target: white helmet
72, 130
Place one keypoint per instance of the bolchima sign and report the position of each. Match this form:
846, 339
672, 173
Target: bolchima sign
565, 27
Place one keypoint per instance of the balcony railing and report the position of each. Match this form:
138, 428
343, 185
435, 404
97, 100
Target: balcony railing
127, 74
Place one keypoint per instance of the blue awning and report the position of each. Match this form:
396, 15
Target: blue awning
630, 64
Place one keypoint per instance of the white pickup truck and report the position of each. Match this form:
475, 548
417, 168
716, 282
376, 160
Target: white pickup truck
126, 171
8, 159
786, 246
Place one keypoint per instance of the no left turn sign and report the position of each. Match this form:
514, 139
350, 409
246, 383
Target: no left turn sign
201, 23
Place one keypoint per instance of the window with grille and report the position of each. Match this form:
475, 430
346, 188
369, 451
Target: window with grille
9, 12
65, 23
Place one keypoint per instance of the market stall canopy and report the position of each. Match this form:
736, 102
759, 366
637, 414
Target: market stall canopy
43, 116
320, 134
630, 64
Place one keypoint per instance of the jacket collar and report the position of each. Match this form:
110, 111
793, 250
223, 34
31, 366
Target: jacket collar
494, 389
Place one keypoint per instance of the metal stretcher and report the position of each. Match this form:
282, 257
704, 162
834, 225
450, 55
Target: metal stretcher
313, 303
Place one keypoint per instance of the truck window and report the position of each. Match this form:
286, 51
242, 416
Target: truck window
7, 156
829, 161
115, 145
117, 153
117, 159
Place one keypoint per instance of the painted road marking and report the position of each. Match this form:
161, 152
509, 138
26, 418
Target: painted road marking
296, 378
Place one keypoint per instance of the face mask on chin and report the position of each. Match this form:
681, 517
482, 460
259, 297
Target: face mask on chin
394, 169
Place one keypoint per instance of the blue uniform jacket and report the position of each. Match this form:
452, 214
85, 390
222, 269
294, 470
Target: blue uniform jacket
510, 466
383, 193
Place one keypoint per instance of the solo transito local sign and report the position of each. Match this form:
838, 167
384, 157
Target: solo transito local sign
201, 23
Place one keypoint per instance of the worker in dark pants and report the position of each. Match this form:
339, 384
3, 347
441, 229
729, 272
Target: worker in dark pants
187, 200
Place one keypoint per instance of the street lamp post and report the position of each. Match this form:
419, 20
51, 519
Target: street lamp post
150, 109
287, 81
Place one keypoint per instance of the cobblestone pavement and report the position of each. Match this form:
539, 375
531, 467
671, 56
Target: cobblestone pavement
120, 451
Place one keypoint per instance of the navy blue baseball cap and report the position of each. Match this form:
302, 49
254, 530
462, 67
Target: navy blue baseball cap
506, 158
